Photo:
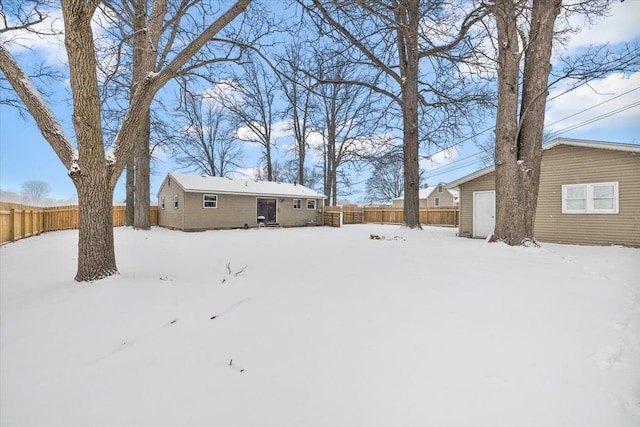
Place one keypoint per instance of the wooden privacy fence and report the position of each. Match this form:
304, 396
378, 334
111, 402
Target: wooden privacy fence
444, 216
20, 221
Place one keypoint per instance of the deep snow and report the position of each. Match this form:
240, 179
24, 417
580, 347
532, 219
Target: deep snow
324, 327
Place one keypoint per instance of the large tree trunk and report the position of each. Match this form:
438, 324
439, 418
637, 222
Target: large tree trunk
130, 191
508, 183
409, 62
142, 220
537, 66
96, 259
518, 151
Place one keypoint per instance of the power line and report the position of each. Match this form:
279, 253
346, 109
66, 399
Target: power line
559, 132
595, 119
593, 106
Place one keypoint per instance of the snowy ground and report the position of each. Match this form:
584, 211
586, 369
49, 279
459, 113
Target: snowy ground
323, 327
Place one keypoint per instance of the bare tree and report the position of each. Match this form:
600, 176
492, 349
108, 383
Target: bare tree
393, 40
93, 169
35, 191
526, 31
346, 120
298, 89
136, 51
251, 107
205, 143
387, 179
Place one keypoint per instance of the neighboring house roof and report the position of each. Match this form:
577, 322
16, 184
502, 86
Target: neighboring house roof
221, 185
632, 148
424, 193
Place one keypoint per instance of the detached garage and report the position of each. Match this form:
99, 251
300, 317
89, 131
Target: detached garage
589, 194
195, 202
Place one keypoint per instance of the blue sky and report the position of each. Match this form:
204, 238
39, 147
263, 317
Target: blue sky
607, 109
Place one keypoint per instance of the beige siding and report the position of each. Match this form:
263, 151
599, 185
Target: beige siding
169, 216
483, 183
446, 199
562, 165
290, 217
237, 210
565, 164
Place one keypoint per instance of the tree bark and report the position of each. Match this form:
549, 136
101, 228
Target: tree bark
409, 63
518, 151
142, 216
130, 193
96, 250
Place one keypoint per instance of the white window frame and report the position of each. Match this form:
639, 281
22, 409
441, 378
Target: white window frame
162, 202
299, 204
205, 201
436, 201
313, 202
589, 205
175, 201
440, 188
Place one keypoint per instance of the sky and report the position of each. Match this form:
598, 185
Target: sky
606, 109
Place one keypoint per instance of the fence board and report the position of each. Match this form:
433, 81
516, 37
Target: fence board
21, 221
331, 218
445, 216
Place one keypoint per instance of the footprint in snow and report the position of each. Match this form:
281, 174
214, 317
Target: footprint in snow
607, 357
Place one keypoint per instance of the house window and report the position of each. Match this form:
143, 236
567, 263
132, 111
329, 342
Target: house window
311, 204
598, 198
437, 201
162, 202
439, 189
297, 204
175, 201
209, 201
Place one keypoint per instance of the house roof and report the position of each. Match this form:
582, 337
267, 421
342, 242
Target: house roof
221, 185
632, 148
424, 193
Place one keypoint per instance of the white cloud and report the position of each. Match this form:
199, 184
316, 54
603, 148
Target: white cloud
587, 107
440, 158
621, 25
246, 133
49, 44
49, 47
245, 173
279, 129
223, 93
282, 129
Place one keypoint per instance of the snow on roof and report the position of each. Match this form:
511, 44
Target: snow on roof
633, 148
423, 193
216, 184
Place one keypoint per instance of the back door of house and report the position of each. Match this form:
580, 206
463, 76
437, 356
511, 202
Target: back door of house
484, 213
267, 209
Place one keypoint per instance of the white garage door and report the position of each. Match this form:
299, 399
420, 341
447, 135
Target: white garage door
484, 213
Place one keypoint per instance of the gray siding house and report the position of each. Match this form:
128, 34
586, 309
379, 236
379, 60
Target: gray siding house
589, 194
194, 202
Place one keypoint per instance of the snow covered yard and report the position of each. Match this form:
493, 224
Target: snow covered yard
320, 327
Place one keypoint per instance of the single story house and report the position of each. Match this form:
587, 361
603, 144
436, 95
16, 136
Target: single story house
589, 194
432, 196
195, 202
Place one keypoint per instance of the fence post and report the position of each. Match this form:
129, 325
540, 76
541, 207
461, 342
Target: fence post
12, 224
